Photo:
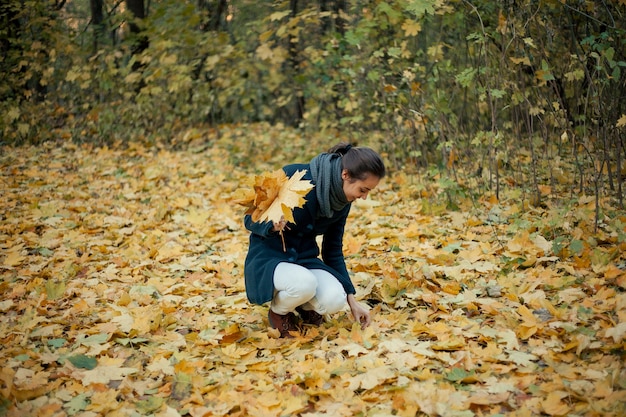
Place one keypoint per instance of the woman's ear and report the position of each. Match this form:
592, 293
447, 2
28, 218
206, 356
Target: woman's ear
345, 175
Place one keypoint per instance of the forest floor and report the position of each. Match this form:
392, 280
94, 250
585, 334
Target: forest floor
122, 295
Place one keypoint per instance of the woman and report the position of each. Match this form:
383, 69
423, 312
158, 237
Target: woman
296, 279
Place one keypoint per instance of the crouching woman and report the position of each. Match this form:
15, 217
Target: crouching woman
294, 278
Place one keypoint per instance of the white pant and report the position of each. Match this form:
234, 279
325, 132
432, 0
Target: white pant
313, 289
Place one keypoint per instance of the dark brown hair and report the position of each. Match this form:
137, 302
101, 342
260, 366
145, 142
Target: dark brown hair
359, 160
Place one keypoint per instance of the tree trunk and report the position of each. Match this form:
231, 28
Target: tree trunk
294, 58
138, 10
215, 19
140, 40
97, 20
334, 21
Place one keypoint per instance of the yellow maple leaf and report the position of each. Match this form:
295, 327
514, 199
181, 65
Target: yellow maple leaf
618, 333
275, 196
411, 27
103, 374
15, 256
553, 404
264, 51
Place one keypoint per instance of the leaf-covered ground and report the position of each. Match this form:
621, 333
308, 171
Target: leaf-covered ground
122, 295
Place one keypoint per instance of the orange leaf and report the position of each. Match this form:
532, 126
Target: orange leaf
553, 405
275, 196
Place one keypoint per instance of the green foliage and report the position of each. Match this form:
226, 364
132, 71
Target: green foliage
508, 88
83, 361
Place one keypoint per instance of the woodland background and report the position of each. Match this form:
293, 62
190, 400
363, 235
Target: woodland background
530, 89
492, 256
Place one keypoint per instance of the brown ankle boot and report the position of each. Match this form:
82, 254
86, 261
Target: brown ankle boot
310, 317
284, 323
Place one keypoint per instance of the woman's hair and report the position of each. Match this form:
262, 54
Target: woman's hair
359, 161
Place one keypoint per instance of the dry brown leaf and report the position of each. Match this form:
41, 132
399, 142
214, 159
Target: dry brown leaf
152, 268
275, 196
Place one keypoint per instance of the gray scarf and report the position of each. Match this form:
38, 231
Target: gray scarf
326, 173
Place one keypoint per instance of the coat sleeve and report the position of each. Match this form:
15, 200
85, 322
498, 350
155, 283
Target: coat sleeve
261, 229
332, 253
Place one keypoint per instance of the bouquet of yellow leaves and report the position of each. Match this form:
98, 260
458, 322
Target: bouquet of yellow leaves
272, 196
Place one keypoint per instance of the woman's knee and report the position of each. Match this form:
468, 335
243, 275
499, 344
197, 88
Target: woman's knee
295, 279
332, 301
330, 296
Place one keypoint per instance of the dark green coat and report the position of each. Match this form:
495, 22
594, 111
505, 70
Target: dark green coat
266, 248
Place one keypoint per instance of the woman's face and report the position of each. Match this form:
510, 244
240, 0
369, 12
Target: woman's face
354, 188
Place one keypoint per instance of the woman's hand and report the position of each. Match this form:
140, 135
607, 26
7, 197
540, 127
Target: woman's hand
280, 226
360, 313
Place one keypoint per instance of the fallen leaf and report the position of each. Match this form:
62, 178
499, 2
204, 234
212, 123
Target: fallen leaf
275, 196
